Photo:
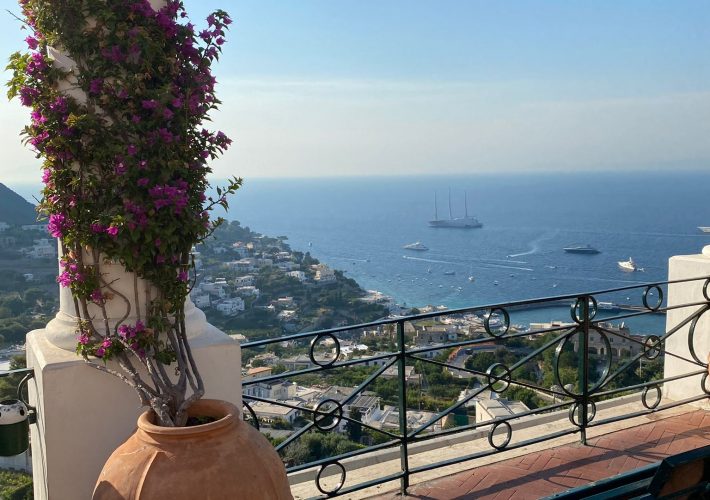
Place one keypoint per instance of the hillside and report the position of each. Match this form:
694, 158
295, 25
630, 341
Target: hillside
14, 209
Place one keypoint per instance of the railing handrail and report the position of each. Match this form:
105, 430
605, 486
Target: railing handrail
471, 309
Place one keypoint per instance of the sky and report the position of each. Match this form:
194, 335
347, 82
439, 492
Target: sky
314, 88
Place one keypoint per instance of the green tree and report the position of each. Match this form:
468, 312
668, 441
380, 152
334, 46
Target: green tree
354, 429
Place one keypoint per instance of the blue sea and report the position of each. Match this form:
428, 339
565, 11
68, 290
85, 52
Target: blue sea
359, 225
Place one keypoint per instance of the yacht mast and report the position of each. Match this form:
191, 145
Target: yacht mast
436, 216
450, 215
465, 203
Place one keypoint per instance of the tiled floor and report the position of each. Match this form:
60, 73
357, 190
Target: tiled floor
540, 474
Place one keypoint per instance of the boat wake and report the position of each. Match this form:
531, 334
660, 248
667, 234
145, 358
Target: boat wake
432, 260
501, 266
535, 244
484, 262
351, 259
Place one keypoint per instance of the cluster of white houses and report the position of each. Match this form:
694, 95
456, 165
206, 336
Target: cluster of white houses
232, 297
41, 248
291, 401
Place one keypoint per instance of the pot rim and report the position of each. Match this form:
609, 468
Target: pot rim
226, 413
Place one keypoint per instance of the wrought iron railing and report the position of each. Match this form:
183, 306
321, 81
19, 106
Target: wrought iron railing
591, 359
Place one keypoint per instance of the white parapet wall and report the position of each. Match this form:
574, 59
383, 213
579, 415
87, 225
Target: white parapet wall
83, 414
684, 267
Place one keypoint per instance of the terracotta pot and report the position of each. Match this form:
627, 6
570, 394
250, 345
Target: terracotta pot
226, 459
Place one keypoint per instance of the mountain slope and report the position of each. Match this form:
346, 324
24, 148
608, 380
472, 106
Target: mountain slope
14, 209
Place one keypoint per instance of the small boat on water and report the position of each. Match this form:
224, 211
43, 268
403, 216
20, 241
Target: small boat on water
585, 249
471, 278
628, 266
417, 246
449, 273
704, 229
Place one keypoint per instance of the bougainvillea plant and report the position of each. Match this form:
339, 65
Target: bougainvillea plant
125, 162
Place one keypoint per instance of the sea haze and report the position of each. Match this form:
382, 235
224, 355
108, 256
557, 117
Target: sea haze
359, 225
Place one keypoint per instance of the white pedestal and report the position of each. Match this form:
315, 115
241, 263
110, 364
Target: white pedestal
83, 414
682, 267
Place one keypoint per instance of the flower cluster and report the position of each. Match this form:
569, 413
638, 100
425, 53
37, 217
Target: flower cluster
125, 155
137, 337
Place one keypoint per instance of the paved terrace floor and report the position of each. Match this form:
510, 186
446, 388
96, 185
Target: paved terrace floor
543, 473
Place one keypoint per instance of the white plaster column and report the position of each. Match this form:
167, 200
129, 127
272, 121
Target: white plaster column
683, 267
83, 414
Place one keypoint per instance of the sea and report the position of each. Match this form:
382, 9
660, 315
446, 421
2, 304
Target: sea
360, 225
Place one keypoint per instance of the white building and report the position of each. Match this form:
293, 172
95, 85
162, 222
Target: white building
248, 291
285, 302
268, 412
287, 266
278, 391
240, 249
230, 307
287, 315
324, 274
299, 275
34, 227
201, 300
489, 409
248, 280
42, 249
216, 288
268, 358
3, 226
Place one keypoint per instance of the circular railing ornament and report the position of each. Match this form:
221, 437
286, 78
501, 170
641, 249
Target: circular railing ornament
644, 397
706, 290
508, 435
497, 378
314, 343
336, 489
575, 413
659, 297
576, 309
691, 336
320, 416
500, 330
704, 383
652, 347
607, 365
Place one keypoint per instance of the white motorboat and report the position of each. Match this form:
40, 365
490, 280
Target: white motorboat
627, 266
416, 246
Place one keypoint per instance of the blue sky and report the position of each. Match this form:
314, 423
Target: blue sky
327, 87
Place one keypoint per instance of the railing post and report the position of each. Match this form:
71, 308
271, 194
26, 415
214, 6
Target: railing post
584, 368
403, 448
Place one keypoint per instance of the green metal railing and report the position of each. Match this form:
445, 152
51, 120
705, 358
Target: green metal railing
598, 376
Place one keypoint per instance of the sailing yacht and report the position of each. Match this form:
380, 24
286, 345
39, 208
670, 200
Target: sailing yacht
465, 222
